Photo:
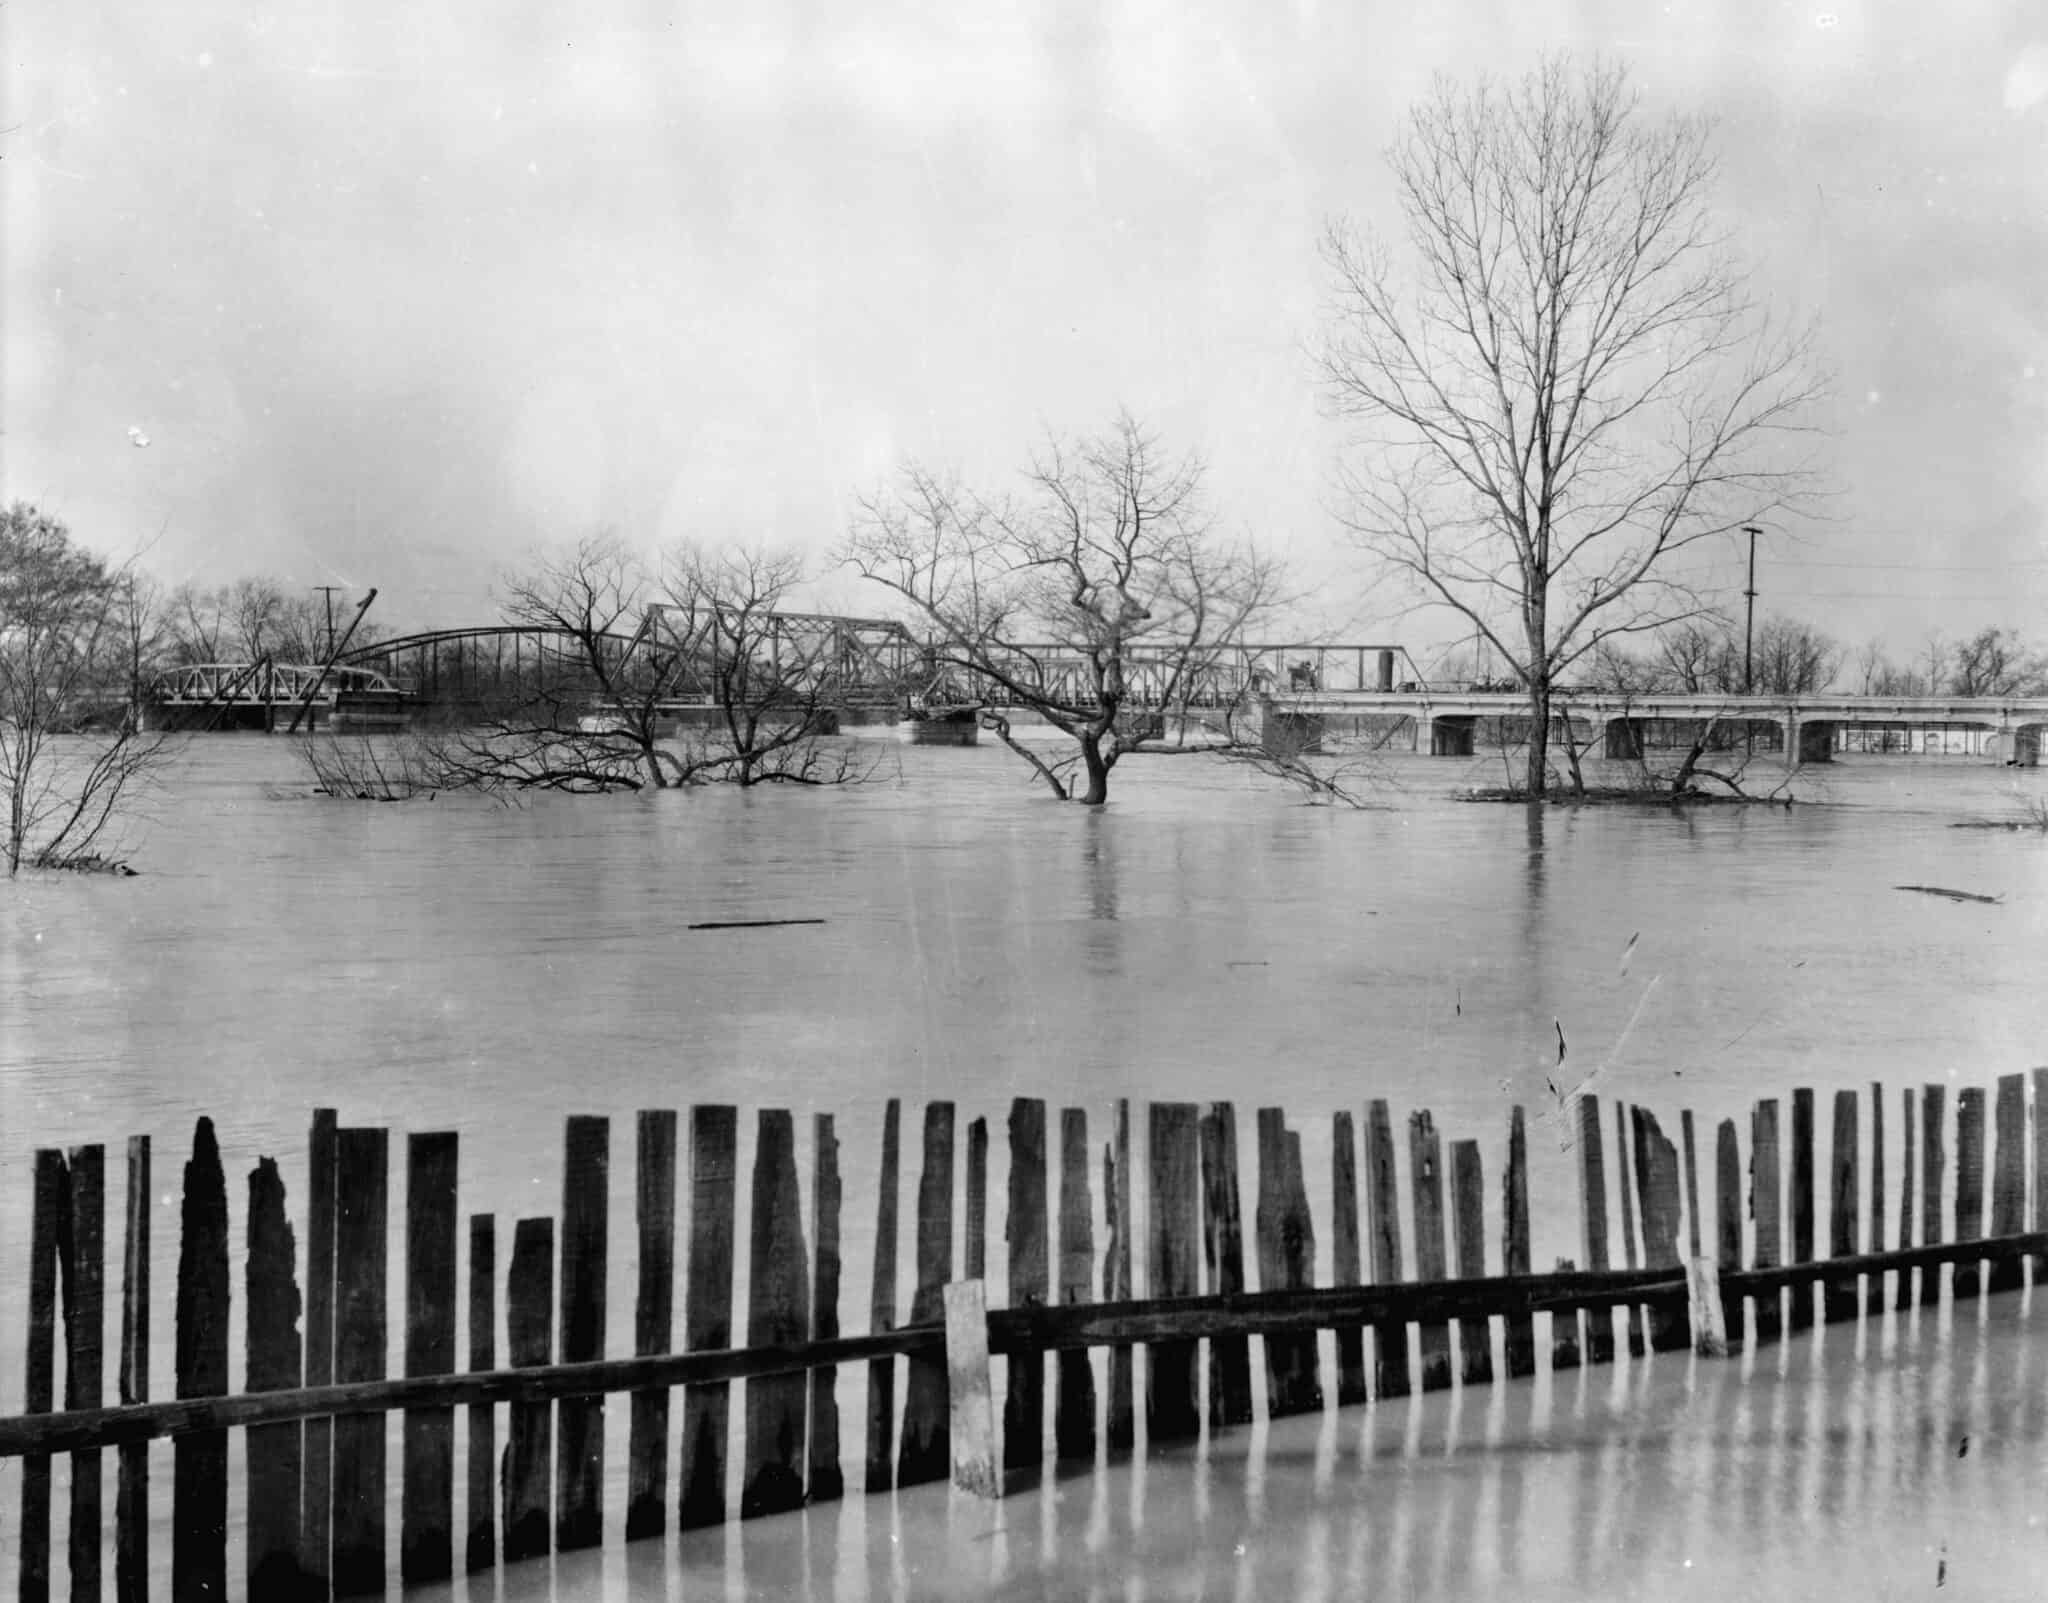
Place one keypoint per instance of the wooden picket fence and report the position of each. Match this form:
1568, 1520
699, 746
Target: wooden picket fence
315, 1402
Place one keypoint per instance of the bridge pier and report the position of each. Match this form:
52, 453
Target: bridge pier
1291, 734
1624, 740
1808, 740
947, 729
2026, 746
1453, 736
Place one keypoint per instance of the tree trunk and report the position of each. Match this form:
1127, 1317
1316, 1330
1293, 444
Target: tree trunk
1097, 769
1538, 781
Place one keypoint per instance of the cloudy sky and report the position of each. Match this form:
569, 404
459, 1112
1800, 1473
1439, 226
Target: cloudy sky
399, 290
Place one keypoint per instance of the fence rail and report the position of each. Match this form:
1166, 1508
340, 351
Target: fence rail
532, 1480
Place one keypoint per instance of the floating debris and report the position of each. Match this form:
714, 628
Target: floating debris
1954, 896
754, 923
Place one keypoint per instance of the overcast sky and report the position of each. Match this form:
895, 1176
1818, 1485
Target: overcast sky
398, 290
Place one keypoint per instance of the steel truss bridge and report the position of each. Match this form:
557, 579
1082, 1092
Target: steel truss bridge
678, 654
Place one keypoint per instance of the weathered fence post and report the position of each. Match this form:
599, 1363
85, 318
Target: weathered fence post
923, 1454
1874, 1299
1514, 1245
1425, 1159
1120, 1426
1593, 1224
1728, 1232
823, 1479
1800, 1207
2041, 1168
1172, 1400
1968, 1280
654, 1326
1933, 1160
199, 1556
881, 1465
1030, 1284
1390, 1339
1843, 1299
316, 1498
131, 1497
529, 1447
1767, 1317
1468, 1231
976, 1261
1286, 1241
1908, 1125
1703, 1307
1230, 1359
426, 1535
778, 1315
707, 1312
481, 1550
362, 1169
1626, 1182
1074, 1416
971, 1405
273, 1364
45, 1224
82, 1258
579, 1421
1345, 1267
2009, 1179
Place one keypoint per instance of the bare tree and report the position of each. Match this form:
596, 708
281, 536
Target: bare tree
1793, 658
1575, 388
1992, 662
1100, 599
71, 760
631, 686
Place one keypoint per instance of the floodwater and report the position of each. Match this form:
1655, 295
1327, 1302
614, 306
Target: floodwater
456, 964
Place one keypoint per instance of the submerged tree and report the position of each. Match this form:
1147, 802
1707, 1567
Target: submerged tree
1575, 386
72, 756
1099, 599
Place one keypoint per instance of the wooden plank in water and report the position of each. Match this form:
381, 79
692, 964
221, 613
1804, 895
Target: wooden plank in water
45, 1223
1120, 1425
316, 1497
1030, 1259
1799, 1206
1968, 1280
778, 1315
1874, 1299
82, 1258
654, 1321
1839, 1301
131, 1496
1230, 1357
2040, 1168
1599, 1345
1692, 1186
1303, 1390
1344, 1259
977, 1199
923, 1454
273, 1362
426, 1533
1389, 1341
579, 1421
1074, 1412
1627, 1181
529, 1338
1425, 1161
1908, 1126
480, 1550
824, 1481
1728, 1225
1468, 1227
881, 1435
199, 1509
1933, 1161
707, 1311
972, 1426
2008, 1178
1765, 1208
1657, 1178
362, 1171
1173, 1266
1514, 1245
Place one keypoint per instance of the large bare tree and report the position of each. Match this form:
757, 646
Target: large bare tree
1099, 598
1573, 385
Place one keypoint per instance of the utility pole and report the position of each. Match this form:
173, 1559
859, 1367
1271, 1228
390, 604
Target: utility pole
327, 590
1749, 615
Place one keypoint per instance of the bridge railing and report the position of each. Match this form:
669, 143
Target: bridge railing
320, 1410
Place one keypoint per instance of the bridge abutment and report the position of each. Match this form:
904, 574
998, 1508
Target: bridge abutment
1624, 740
947, 729
1809, 740
1453, 736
